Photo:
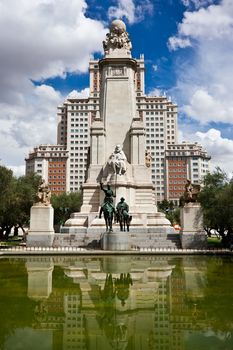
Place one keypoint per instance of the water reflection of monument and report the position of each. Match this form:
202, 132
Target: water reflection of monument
114, 302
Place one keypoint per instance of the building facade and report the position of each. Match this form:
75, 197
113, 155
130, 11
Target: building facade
184, 161
50, 162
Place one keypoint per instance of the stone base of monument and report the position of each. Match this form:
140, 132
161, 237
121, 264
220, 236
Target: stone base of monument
115, 241
151, 230
41, 232
192, 233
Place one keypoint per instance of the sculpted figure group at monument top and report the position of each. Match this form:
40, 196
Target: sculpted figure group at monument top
118, 38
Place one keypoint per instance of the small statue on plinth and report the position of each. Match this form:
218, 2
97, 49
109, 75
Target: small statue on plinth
117, 161
191, 192
43, 194
107, 207
122, 214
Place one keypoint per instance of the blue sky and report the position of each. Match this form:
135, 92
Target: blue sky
47, 44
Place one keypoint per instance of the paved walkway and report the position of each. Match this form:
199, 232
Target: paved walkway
21, 250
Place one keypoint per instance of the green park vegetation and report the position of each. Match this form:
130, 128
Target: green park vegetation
17, 197
172, 213
216, 198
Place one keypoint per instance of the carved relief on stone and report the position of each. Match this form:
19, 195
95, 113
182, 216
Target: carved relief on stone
117, 71
118, 38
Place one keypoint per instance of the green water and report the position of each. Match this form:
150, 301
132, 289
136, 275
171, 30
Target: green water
139, 302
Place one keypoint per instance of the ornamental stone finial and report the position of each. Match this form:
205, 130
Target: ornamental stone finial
118, 38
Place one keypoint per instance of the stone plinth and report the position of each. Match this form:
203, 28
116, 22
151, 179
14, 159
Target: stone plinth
115, 241
41, 232
192, 233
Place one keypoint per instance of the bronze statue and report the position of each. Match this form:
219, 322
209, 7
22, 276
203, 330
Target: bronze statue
107, 207
191, 192
122, 215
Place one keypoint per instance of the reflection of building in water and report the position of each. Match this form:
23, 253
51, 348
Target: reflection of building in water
74, 323
115, 303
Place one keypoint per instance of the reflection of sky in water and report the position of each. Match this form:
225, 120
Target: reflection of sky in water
138, 302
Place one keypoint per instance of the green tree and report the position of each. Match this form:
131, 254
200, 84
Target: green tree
7, 182
172, 213
64, 205
17, 197
216, 200
26, 188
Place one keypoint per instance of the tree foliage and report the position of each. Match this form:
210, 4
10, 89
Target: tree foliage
172, 213
64, 205
17, 197
216, 200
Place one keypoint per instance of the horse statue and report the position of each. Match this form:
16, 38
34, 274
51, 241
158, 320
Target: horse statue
109, 211
107, 207
122, 215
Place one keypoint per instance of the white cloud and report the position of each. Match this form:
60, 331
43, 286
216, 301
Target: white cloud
134, 11
176, 42
202, 103
42, 39
155, 67
196, 3
205, 79
17, 170
27, 124
79, 94
214, 22
219, 148
156, 92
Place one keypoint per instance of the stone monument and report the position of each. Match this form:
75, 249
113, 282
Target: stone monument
41, 232
192, 233
117, 153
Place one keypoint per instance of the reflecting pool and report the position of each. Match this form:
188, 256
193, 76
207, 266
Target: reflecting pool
115, 302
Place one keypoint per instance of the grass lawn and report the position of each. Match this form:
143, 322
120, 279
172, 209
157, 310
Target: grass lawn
214, 242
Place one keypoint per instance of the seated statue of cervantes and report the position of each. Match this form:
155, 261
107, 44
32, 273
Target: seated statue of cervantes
117, 161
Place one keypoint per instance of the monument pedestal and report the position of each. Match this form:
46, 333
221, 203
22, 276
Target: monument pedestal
192, 233
41, 232
115, 241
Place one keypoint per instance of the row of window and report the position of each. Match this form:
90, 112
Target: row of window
79, 141
79, 136
56, 165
